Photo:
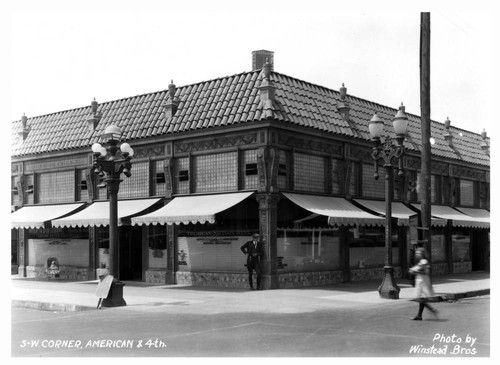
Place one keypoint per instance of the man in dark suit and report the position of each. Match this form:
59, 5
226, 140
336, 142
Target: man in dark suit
254, 251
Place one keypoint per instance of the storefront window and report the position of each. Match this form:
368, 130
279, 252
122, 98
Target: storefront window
66, 246
467, 193
367, 247
137, 185
102, 240
438, 249
13, 247
460, 243
216, 172
308, 249
217, 247
55, 187
157, 246
309, 172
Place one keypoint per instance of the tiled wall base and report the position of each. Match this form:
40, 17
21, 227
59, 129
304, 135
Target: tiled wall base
156, 277
66, 272
214, 279
440, 269
307, 279
372, 273
461, 267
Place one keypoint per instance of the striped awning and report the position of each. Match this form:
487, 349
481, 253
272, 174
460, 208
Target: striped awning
36, 216
338, 210
399, 210
458, 218
192, 209
97, 214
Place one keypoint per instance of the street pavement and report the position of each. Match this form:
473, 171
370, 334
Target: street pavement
60, 295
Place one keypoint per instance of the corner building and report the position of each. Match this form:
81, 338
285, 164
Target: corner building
219, 160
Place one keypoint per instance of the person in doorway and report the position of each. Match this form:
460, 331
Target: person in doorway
54, 270
423, 287
254, 251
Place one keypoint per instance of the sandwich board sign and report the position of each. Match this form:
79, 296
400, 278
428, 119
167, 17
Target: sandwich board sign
103, 288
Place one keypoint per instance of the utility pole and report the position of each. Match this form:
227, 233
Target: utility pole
425, 112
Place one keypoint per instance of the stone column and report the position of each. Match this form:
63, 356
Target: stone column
268, 209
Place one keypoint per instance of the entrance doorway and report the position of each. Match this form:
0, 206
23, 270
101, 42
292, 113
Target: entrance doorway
480, 249
130, 253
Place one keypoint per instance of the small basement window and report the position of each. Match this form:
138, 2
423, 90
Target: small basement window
251, 169
282, 169
183, 175
160, 178
83, 185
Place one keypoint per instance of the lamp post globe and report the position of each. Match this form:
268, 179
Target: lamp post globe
110, 165
388, 152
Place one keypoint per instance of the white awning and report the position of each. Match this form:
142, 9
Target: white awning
338, 210
97, 214
192, 209
399, 210
35, 216
480, 216
458, 219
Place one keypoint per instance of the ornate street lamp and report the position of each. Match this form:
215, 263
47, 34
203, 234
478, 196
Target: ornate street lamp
111, 162
388, 152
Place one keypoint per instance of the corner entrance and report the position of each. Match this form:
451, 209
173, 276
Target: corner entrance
130, 261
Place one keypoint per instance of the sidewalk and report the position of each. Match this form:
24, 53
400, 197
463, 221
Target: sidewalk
62, 295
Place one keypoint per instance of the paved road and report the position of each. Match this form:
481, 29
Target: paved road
337, 329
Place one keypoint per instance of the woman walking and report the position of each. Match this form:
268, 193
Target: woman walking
423, 286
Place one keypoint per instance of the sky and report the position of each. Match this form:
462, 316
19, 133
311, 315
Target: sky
61, 57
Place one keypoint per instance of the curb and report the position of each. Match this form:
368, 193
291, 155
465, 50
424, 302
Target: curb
469, 294
61, 307
64, 307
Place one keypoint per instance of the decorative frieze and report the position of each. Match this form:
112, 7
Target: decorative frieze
439, 168
411, 163
55, 164
16, 168
309, 144
215, 143
468, 173
149, 151
359, 153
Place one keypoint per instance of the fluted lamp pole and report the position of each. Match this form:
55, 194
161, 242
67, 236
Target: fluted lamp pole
111, 162
388, 153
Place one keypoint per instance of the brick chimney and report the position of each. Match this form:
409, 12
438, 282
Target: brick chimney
259, 59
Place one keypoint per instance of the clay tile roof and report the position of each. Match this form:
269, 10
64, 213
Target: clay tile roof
231, 100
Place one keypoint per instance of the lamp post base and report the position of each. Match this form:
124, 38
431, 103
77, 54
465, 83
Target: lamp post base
389, 289
115, 296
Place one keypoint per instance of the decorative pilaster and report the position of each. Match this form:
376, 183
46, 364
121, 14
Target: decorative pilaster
268, 213
23, 252
267, 167
90, 178
169, 182
21, 188
172, 255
